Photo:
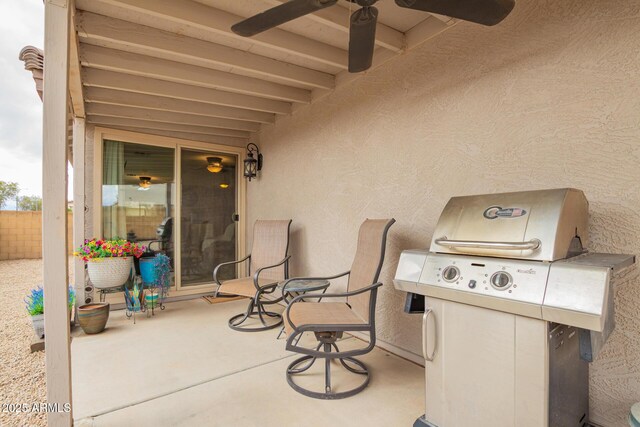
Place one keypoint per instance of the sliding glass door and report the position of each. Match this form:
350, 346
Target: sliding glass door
138, 194
208, 214
181, 201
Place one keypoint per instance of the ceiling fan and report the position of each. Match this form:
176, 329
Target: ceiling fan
362, 30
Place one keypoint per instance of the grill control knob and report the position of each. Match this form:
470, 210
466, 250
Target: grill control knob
451, 273
501, 280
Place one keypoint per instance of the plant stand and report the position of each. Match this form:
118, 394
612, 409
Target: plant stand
155, 302
134, 299
104, 291
141, 302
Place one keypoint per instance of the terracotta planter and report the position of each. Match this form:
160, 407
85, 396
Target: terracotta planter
93, 317
109, 272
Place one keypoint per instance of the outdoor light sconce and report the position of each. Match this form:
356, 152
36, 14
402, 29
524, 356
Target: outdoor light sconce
214, 164
145, 182
252, 164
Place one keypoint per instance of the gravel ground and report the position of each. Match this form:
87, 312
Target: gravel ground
22, 377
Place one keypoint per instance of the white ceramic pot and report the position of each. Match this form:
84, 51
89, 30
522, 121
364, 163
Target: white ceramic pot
38, 325
109, 272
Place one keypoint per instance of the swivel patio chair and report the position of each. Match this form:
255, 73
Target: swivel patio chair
329, 320
268, 264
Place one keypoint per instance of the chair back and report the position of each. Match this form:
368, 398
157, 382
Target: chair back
365, 270
270, 246
229, 232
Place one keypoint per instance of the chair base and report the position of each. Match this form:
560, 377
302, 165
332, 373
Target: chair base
296, 368
239, 319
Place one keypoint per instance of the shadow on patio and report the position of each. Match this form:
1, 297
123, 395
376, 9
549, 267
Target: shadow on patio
185, 366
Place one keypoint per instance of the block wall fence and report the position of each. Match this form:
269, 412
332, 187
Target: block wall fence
21, 235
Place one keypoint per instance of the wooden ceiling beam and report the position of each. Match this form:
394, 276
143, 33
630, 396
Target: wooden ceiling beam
147, 66
167, 45
116, 97
121, 111
75, 81
113, 80
216, 21
147, 124
427, 29
212, 139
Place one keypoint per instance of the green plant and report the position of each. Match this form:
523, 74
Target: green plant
30, 203
8, 191
98, 248
162, 265
34, 302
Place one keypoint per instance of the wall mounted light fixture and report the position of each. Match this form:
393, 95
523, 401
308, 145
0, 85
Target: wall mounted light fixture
145, 182
214, 164
252, 164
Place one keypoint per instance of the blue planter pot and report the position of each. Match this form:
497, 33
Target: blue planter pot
147, 270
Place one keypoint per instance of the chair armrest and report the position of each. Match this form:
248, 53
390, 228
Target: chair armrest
323, 296
258, 271
215, 271
155, 241
308, 279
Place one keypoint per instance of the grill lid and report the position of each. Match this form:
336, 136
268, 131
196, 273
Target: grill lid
537, 225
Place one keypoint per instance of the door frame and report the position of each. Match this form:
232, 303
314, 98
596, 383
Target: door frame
101, 134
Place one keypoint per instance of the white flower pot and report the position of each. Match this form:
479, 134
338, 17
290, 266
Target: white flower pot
109, 272
38, 325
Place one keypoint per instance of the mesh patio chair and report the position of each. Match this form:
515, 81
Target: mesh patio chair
329, 320
268, 264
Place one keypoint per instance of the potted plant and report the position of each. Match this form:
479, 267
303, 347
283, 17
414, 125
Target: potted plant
35, 307
155, 274
109, 262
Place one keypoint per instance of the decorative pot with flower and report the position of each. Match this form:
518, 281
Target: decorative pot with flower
109, 262
34, 303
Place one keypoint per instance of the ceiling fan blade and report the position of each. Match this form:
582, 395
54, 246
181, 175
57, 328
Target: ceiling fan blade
362, 38
485, 12
279, 15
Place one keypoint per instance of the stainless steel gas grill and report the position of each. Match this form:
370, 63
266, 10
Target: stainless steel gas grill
514, 309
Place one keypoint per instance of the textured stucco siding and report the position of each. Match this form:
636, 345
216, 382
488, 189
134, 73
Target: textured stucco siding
549, 98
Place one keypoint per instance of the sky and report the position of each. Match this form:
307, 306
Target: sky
21, 24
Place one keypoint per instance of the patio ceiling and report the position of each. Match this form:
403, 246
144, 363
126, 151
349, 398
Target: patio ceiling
174, 68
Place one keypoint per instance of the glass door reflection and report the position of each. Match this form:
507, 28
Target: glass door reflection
138, 194
208, 207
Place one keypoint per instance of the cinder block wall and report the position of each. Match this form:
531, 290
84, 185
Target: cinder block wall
21, 235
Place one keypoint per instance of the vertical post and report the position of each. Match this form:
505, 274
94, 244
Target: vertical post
78, 204
54, 214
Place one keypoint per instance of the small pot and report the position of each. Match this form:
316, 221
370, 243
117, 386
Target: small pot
93, 317
148, 270
38, 325
152, 300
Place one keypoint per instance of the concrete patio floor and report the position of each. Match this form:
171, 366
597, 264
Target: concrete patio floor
185, 366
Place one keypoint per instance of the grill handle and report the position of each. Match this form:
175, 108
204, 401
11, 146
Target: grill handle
532, 244
425, 319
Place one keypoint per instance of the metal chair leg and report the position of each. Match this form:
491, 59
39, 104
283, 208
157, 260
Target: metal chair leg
329, 344
327, 369
255, 308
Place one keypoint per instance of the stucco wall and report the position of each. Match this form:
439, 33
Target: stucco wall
550, 98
